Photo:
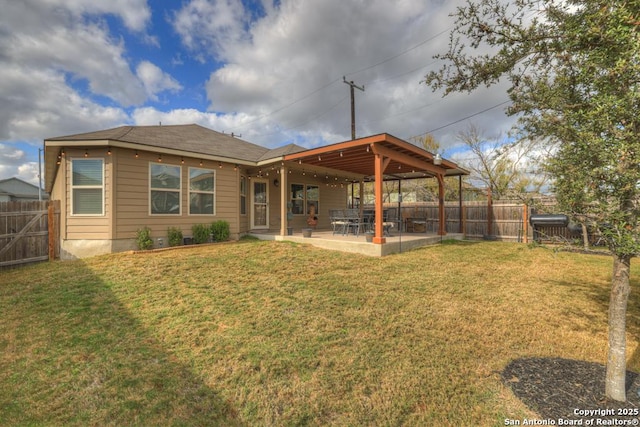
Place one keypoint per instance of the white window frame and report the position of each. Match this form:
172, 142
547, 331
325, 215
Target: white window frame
88, 187
243, 195
213, 193
168, 190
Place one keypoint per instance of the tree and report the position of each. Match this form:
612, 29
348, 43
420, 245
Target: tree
507, 168
574, 72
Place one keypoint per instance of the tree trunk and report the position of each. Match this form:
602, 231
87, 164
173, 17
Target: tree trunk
615, 387
585, 236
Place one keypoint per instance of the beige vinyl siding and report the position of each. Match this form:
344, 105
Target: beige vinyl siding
58, 193
132, 195
88, 227
330, 198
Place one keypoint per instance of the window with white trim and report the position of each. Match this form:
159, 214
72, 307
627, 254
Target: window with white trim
87, 186
164, 189
202, 185
243, 195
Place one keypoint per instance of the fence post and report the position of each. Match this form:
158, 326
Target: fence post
51, 221
489, 213
463, 221
525, 223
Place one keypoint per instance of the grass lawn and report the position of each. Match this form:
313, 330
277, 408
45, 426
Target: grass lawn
268, 333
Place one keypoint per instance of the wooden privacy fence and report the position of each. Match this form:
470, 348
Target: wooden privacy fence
476, 220
28, 232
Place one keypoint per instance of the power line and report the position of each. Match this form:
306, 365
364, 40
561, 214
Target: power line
460, 120
401, 53
240, 126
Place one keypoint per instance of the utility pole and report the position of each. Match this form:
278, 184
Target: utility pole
353, 105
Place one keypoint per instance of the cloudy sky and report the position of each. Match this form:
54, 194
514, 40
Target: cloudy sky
271, 71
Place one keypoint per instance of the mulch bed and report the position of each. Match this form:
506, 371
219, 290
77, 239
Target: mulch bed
554, 388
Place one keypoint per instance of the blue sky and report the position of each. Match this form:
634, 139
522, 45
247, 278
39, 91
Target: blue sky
271, 71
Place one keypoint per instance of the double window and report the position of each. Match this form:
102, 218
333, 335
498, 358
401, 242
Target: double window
87, 186
165, 190
303, 197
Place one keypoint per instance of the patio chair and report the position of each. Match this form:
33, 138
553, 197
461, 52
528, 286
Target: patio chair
338, 220
354, 221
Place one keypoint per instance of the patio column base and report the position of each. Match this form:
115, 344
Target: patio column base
379, 240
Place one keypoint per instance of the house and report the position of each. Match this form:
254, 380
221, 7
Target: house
111, 183
15, 189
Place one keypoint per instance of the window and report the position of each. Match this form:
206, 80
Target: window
302, 197
87, 187
243, 195
313, 198
201, 191
164, 189
297, 199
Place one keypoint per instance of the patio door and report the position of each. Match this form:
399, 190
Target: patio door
260, 204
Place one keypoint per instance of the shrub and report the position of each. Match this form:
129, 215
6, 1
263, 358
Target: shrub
200, 233
220, 231
143, 239
174, 234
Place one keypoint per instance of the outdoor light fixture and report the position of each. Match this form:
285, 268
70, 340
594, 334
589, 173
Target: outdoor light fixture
160, 158
276, 182
86, 153
109, 151
437, 160
137, 155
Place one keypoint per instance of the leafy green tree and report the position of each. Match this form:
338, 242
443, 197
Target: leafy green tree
574, 72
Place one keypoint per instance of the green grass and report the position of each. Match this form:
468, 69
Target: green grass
267, 333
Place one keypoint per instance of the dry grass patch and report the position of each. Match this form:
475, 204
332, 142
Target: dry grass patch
277, 334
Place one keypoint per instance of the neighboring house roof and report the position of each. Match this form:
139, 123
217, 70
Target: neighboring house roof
18, 189
188, 138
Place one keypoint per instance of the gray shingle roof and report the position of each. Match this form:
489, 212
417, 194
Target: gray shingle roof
189, 138
281, 151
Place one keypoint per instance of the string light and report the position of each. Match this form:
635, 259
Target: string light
137, 155
86, 153
159, 158
109, 151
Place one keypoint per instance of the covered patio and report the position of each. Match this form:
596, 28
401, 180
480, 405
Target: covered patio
376, 159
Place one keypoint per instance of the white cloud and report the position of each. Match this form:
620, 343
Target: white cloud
286, 69
155, 80
210, 25
39, 104
134, 13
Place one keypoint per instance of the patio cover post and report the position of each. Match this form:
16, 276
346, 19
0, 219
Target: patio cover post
361, 195
379, 168
284, 175
442, 226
